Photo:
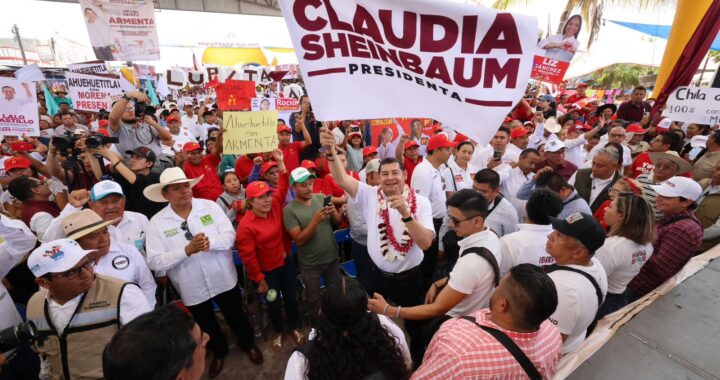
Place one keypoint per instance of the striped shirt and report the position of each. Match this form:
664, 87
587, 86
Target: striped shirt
646, 182
677, 243
460, 350
503, 219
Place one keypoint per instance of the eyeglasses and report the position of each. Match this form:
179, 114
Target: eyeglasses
73, 273
617, 135
184, 227
455, 221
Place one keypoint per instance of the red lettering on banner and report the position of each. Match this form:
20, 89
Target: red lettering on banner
299, 8
364, 23
504, 25
313, 50
508, 71
409, 31
428, 43
335, 22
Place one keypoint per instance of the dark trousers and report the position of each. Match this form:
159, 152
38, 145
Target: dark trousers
613, 303
283, 280
430, 259
231, 306
632, 296
311, 275
404, 289
362, 263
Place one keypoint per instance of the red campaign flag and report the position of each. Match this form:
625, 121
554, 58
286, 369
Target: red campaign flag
276, 76
235, 95
548, 69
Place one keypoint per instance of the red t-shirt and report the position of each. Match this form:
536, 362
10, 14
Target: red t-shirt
209, 187
291, 155
243, 167
641, 165
327, 186
410, 168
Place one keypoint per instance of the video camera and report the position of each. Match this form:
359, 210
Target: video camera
66, 143
16, 336
95, 141
142, 109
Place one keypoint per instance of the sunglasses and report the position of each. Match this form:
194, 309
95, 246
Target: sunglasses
184, 227
455, 221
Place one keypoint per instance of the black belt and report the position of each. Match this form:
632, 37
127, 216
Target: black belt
397, 276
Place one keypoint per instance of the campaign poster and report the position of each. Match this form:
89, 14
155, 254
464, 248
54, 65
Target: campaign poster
554, 53
121, 30
699, 105
286, 107
93, 92
235, 95
249, 132
92, 67
386, 131
262, 104
18, 108
444, 60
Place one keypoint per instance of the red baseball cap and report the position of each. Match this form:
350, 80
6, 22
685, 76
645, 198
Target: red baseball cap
267, 166
518, 132
308, 164
355, 134
581, 85
368, 150
507, 120
635, 128
283, 128
103, 123
16, 162
191, 146
171, 118
410, 144
22, 146
439, 141
257, 189
460, 138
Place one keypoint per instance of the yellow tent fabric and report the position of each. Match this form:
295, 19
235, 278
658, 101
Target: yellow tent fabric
234, 56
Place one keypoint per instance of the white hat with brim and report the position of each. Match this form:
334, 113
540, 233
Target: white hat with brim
551, 125
169, 176
55, 256
84, 222
671, 155
679, 187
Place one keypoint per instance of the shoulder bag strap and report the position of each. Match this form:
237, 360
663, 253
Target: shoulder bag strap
487, 255
513, 348
452, 175
598, 292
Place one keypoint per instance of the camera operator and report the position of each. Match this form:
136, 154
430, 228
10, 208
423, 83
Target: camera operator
135, 129
23, 362
68, 124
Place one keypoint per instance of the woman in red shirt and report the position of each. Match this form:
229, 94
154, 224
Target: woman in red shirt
262, 244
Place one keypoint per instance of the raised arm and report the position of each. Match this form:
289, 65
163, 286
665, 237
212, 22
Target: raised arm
343, 180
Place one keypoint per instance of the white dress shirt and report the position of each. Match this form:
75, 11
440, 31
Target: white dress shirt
627, 154
131, 230
366, 197
126, 263
457, 178
597, 186
429, 182
509, 188
203, 275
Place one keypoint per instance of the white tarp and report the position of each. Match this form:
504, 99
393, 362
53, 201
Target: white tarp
464, 65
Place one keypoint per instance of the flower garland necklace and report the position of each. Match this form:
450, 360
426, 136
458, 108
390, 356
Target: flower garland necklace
387, 234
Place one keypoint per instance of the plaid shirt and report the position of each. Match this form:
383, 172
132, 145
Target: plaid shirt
460, 350
677, 243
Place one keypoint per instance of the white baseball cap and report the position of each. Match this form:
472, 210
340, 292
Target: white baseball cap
699, 141
554, 144
105, 188
55, 257
679, 187
300, 175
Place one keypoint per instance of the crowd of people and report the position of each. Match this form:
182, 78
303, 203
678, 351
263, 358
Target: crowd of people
498, 259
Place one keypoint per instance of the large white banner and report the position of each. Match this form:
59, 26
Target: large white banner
93, 92
18, 108
121, 30
464, 65
93, 67
699, 105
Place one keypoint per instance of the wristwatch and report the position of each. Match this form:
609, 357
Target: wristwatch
408, 219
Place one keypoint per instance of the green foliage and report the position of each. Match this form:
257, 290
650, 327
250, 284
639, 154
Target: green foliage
621, 75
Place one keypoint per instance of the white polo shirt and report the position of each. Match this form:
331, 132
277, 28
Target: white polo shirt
180, 139
205, 274
131, 230
367, 200
577, 302
457, 178
125, 262
429, 182
526, 246
473, 275
483, 155
622, 259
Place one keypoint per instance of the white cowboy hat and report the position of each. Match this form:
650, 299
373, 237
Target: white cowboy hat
169, 176
552, 126
671, 155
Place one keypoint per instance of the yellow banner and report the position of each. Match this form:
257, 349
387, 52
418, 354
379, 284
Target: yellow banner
250, 132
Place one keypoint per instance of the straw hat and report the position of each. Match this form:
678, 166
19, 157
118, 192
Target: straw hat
674, 157
84, 222
169, 176
552, 126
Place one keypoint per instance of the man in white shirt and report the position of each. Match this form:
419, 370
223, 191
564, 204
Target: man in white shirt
518, 142
502, 217
517, 176
469, 285
112, 259
428, 181
580, 279
592, 184
396, 247
179, 135
617, 135
188, 120
487, 157
527, 245
9, 104
192, 240
77, 308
